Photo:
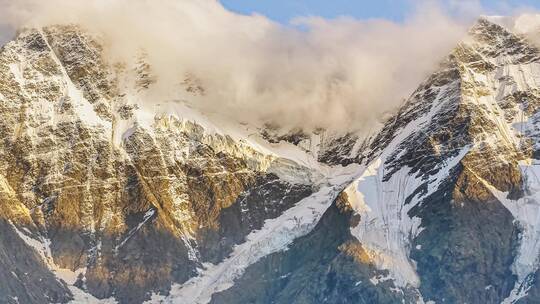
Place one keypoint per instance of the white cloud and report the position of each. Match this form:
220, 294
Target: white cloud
338, 73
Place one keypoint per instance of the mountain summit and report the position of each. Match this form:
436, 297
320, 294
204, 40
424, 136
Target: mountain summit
110, 196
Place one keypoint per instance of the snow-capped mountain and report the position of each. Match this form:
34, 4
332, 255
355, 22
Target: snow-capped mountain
110, 196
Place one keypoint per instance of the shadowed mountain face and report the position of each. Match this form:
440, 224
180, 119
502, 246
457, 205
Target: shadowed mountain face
108, 195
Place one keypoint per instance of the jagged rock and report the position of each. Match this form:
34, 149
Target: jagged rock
136, 209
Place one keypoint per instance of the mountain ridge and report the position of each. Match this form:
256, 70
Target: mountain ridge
115, 200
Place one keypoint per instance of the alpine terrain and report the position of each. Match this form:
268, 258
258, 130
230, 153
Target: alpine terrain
110, 196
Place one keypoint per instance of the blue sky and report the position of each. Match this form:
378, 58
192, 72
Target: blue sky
284, 10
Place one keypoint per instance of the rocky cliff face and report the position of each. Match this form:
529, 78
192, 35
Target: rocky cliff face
107, 195
446, 205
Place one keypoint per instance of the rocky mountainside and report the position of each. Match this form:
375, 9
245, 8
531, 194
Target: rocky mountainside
109, 196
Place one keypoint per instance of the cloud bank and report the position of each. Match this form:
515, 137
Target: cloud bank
338, 73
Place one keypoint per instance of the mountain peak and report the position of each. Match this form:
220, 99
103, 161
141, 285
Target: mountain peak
465, 137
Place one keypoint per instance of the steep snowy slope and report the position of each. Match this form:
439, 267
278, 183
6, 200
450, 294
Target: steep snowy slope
122, 196
471, 150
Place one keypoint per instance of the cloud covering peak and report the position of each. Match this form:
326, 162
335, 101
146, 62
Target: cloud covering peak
338, 73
